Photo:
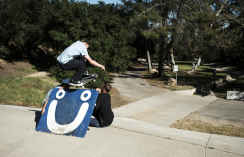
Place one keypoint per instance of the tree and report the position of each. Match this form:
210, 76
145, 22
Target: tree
231, 32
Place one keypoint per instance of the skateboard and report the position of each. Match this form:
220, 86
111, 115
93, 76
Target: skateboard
85, 80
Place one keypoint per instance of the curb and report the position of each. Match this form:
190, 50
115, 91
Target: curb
23, 108
210, 142
186, 92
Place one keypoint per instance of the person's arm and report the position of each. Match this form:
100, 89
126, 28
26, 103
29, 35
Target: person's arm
94, 63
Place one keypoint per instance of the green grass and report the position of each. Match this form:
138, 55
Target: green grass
202, 78
23, 91
17, 89
180, 87
185, 67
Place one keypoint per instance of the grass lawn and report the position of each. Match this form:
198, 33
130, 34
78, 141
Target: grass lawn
200, 126
23, 91
203, 77
17, 89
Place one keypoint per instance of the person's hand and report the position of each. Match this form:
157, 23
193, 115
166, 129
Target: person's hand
98, 90
103, 67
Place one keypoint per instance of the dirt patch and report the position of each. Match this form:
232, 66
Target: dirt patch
188, 123
39, 74
116, 99
222, 116
2, 62
8, 69
156, 82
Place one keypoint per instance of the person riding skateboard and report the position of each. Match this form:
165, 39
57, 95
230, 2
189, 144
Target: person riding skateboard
74, 57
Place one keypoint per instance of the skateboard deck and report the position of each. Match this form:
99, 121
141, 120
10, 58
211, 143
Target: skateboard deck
85, 80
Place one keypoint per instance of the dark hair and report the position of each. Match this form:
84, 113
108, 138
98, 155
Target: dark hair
107, 87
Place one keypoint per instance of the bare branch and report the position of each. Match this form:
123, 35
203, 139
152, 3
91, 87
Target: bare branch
221, 8
229, 17
149, 9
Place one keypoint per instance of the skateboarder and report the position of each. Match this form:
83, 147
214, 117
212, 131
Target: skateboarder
74, 57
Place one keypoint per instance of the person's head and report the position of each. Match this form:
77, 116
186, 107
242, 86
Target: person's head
86, 44
106, 88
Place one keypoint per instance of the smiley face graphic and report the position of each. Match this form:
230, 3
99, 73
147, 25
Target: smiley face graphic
68, 111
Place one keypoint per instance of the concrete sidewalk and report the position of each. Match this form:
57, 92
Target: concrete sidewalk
203, 144
19, 138
139, 129
164, 108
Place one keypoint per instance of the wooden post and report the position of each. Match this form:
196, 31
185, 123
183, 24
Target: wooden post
149, 61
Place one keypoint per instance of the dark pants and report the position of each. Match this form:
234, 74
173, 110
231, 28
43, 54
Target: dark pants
103, 111
94, 122
78, 64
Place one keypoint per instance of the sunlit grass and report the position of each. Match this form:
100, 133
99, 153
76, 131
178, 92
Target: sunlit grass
185, 67
203, 76
196, 125
23, 91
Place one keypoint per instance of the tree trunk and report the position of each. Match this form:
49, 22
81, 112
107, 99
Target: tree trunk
160, 64
149, 62
195, 65
172, 56
199, 61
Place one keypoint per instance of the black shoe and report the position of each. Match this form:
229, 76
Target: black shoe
94, 75
86, 73
89, 76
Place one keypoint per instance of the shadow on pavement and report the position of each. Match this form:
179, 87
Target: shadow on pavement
38, 115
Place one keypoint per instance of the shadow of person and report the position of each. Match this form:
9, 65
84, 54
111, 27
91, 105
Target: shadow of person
38, 115
203, 90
